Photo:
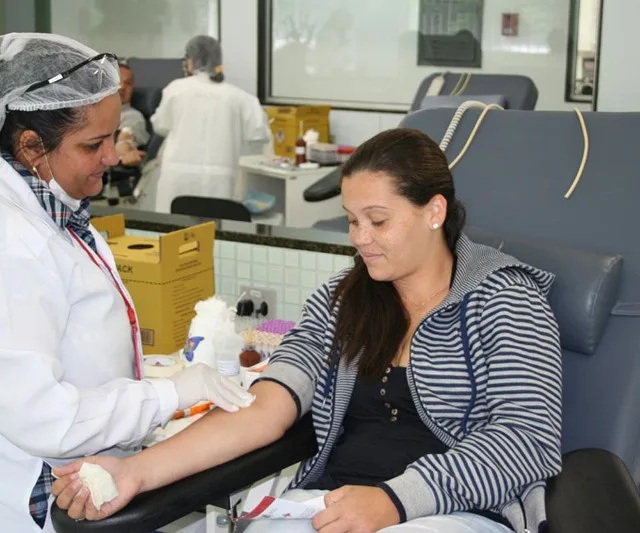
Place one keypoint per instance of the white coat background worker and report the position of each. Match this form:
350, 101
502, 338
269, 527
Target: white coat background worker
70, 355
205, 122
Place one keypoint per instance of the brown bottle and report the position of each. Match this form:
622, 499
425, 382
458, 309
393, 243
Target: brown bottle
249, 356
301, 147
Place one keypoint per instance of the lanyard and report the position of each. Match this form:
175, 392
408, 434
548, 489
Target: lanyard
133, 321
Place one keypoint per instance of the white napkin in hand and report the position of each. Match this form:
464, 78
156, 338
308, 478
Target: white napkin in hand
101, 485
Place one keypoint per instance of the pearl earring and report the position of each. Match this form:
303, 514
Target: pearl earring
36, 173
435, 225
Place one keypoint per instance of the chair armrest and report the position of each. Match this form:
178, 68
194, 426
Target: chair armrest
325, 188
123, 172
154, 509
594, 493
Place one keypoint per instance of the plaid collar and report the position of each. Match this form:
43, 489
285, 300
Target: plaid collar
76, 221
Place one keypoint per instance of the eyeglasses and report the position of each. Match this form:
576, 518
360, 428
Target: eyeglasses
67, 73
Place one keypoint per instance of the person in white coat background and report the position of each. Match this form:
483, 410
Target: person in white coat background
71, 380
204, 121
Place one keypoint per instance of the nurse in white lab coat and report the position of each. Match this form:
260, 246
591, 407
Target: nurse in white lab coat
70, 352
205, 120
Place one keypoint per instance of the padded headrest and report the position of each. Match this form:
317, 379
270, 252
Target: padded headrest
146, 99
584, 292
446, 100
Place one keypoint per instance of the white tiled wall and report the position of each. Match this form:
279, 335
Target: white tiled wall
293, 274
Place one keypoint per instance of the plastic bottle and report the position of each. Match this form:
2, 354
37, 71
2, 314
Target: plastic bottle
301, 147
311, 137
228, 356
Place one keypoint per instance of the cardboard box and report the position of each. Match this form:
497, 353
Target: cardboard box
165, 276
285, 125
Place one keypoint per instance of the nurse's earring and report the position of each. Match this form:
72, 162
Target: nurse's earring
435, 225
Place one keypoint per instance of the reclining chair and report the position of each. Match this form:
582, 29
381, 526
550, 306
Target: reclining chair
515, 174
513, 91
594, 493
509, 91
207, 207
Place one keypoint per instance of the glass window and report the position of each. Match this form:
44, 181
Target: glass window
138, 28
367, 54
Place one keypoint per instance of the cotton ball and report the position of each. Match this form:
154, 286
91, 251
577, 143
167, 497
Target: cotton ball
212, 333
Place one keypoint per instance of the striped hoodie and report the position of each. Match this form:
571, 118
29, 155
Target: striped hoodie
485, 375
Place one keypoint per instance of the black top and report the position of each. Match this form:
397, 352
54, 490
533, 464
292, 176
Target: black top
382, 434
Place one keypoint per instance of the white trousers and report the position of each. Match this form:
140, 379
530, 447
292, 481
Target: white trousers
453, 523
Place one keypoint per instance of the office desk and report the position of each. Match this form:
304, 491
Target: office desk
287, 185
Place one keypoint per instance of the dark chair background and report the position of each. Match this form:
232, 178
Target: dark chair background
155, 72
146, 100
201, 206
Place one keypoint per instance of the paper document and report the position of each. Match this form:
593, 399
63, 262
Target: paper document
278, 508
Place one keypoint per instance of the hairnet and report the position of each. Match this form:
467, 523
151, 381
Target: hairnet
205, 52
28, 58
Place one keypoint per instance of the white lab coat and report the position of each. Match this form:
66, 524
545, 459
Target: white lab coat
204, 124
66, 355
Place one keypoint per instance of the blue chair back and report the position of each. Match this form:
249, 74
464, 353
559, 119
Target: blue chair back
513, 180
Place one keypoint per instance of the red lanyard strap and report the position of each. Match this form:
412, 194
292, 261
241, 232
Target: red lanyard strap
131, 314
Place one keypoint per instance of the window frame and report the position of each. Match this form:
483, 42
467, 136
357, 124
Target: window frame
572, 55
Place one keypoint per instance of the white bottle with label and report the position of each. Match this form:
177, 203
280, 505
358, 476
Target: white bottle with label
311, 137
228, 351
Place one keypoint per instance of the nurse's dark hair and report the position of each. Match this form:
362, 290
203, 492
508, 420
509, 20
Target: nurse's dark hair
372, 321
50, 125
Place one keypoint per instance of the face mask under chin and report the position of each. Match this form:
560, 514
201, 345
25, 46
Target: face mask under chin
60, 194
57, 191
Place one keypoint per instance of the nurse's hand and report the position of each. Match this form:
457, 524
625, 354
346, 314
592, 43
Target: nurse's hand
200, 382
72, 496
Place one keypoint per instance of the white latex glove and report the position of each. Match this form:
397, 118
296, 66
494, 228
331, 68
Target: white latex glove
200, 382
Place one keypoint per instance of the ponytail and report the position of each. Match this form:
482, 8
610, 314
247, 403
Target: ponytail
454, 223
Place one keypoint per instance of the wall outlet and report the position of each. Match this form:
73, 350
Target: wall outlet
259, 295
